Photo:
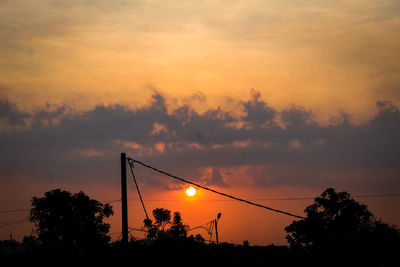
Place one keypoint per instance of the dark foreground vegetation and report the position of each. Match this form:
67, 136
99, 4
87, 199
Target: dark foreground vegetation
69, 231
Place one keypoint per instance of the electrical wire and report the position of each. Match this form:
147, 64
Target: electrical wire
380, 195
214, 191
137, 187
132, 237
260, 199
137, 229
254, 199
114, 200
12, 223
12, 211
200, 226
211, 230
15, 220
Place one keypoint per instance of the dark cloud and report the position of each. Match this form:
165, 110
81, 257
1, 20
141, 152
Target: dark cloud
10, 115
62, 144
214, 178
297, 117
257, 111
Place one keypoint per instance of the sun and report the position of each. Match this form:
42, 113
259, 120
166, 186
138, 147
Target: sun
191, 191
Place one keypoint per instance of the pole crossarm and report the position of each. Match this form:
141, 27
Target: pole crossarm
214, 191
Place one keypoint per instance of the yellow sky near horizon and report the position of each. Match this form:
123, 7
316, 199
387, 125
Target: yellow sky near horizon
328, 56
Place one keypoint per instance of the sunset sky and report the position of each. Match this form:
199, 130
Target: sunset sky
264, 100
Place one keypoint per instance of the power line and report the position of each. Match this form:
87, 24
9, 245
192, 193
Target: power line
306, 198
214, 191
137, 229
113, 200
14, 220
137, 188
12, 211
200, 226
253, 199
12, 223
262, 199
379, 195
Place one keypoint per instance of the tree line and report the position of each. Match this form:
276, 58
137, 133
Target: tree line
336, 227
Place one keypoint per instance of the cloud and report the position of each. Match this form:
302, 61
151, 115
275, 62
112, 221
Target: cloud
258, 113
310, 54
70, 145
10, 115
212, 177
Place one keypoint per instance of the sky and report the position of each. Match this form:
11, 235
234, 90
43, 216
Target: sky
260, 99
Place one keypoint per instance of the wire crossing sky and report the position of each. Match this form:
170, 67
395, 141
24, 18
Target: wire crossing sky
214, 191
259, 199
137, 188
274, 98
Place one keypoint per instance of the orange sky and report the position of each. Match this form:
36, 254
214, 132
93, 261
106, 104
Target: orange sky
238, 222
330, 57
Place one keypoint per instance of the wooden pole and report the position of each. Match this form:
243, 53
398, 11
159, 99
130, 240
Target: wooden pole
124, 201
216, 230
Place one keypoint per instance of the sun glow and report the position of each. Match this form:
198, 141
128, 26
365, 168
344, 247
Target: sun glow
191, 191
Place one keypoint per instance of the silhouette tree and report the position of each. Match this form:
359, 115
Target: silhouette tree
163, 217
158, 231
336, 221
178, 229
64, 220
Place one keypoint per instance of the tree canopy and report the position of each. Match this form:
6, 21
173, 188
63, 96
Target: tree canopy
63, 219
158, 230
335, 220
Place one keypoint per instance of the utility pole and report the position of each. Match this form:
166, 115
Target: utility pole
216, 230
124, 202
216, 226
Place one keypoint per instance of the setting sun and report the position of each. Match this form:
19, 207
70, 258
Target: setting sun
191, 191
